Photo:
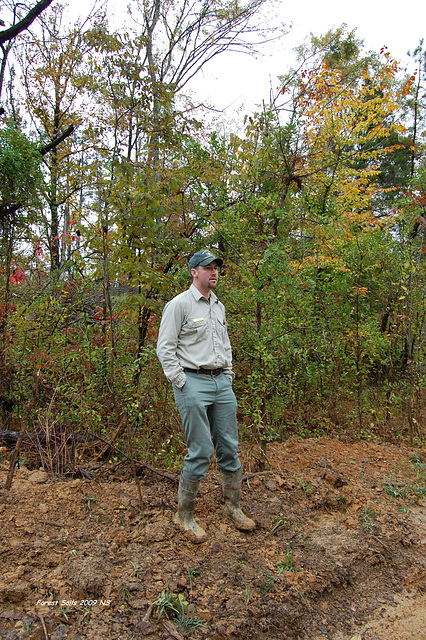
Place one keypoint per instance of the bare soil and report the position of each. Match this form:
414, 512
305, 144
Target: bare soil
338, 553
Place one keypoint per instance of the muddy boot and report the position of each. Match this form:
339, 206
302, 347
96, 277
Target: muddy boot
231, 486
184, 517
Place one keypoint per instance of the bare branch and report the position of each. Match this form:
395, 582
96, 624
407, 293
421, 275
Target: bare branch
12, 32
49, 147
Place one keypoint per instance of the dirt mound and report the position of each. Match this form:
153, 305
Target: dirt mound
339, 552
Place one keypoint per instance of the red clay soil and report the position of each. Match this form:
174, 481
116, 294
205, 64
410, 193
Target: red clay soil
339, 552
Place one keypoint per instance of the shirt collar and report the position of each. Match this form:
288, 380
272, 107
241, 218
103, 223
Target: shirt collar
198, 296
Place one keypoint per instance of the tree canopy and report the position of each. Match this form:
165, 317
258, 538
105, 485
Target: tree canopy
111, 179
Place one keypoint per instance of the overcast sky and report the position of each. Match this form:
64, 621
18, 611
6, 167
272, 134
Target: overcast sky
239, 83
236, 83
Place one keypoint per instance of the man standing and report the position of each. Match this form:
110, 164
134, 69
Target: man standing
195, 353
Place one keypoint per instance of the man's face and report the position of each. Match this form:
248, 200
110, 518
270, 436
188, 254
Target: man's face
206, 277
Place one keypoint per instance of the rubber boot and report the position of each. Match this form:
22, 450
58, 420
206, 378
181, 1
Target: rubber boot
231, 486
184, 517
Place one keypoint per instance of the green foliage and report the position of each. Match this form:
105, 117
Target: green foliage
287, 564
279, 524
395, 490
368, 519
317, 210
20, 172
176, 608
267, 583
420, 492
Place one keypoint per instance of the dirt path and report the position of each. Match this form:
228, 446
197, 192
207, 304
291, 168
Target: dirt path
406, 620
338, 554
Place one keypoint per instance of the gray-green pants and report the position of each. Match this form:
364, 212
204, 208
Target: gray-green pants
208, 410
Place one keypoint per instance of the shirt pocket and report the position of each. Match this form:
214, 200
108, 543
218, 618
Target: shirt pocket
195, 331
222, 328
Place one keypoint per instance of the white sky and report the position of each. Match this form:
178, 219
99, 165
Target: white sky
243, 83
235, 83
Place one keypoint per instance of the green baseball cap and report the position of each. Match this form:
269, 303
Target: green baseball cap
203, 258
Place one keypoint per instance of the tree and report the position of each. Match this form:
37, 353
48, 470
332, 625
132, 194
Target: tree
51, 62
410, 227
7, 36
147, 178
20, 189
305, 230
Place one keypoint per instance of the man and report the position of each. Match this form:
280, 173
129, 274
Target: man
195, 353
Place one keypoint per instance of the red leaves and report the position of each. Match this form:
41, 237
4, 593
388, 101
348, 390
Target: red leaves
17, 276
99, 315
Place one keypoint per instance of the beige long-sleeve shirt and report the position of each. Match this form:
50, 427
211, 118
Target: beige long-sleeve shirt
193, 335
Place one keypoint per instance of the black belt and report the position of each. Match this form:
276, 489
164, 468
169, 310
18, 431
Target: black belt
204, 372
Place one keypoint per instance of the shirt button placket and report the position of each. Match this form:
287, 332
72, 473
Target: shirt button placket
214, 335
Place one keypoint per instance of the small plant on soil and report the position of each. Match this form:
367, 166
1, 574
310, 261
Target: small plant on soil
395, 490
175, 608
27, 624
248, 594
137, 572
307, 487
124, 593
420, 467
418, 458
192, 574
368, 518
267, 584
287, 564
419, 491
280, 523
89, 503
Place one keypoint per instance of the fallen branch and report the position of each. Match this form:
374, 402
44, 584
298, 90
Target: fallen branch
259, 473
136, 462
11, 437
171, 630
43, 624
